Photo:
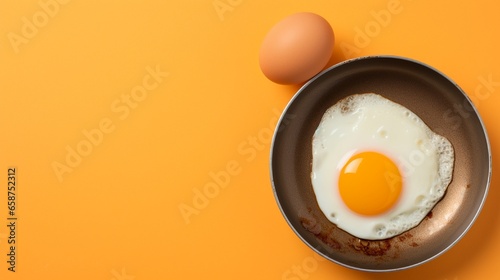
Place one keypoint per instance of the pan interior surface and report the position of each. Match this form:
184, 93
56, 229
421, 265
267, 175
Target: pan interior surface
440, 103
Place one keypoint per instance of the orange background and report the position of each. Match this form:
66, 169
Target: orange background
115, 213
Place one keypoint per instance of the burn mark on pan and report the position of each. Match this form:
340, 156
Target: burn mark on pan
328, 233
323, 233
372, 247
429, 215
404, 236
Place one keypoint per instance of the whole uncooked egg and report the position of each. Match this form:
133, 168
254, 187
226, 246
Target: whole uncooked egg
296, 48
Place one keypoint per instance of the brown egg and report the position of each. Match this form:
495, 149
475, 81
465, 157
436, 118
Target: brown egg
296, 48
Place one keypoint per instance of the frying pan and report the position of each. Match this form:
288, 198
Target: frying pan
440, 103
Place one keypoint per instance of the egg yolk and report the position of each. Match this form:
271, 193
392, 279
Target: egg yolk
370, 183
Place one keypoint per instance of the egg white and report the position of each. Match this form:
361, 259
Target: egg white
370, 122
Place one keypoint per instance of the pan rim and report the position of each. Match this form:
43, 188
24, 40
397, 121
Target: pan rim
393, 57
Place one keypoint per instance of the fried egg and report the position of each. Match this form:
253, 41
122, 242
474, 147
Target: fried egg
377, 168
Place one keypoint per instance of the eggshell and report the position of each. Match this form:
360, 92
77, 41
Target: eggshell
296, 48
